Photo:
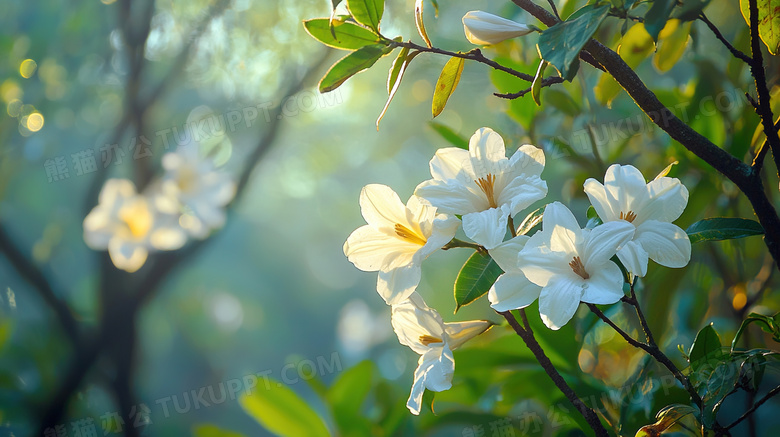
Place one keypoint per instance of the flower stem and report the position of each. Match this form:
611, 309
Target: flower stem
460, 243
527, 335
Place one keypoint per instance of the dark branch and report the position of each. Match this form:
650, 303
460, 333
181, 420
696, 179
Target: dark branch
545, 83
734, 51
774, 392
527, 335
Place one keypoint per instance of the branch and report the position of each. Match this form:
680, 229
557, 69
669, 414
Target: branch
734, 51
552, 80
527, 335
30, 272
764, 108
755, 406
738, 172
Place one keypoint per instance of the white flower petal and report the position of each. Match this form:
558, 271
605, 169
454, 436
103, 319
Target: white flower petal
371, 250
626, 188
452, 163
528, 160
521, 192
665, 243
605, 285
450, 197
511, 291
381, 207
482, 28
634, 258
440, 366
412, 319
565, 232
414, 404
668, 198
397, 284
603, 241
167, 238
443, 230
601, 203
559, 300
505, 254
126, 255
461, 332
488, 227
488, 155
539, 263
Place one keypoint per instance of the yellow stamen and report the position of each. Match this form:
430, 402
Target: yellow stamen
409, 235
137, 217
428, 339
487, 185
578, 268
629, 217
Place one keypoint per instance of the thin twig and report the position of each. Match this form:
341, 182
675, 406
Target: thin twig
554, 9
527, 335
549, 81
775, 391
734, 51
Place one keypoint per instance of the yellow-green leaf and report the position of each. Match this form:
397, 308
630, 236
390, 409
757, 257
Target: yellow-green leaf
672, 45
768, 22
635, 46
536, 86
343, 35
350, 65
209, 430
666, 171
418, 21
395, 77
445, 86
279, 410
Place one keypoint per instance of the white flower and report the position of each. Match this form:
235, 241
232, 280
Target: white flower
483, 28
396, 240
129, 225
572, 264
199, 187
483, 185
512, 290
650, 208
422, 329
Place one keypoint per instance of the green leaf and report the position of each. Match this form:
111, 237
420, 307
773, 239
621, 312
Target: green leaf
475, 279
768, 22
367, 12
561, 44
656, 16
335, 3
767, 324
281, 411
347, 395
449, 135
395, 76
344, 35
428, 398
706, 344
723, 228
593, 218
562, 101
689, 10
536, 86
531, 220
350, 65
209, 430
418, 21
665, 419
672, 45
445, 86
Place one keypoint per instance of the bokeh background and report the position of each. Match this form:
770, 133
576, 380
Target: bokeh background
272, 293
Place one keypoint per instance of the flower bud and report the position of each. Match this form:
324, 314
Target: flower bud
483, 28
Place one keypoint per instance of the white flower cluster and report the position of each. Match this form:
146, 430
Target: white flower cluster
189, 199
561, 265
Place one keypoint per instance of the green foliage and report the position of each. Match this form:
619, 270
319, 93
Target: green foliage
352, 64
445, 86
770, 325
475, 279
449, 135
530, 221
342, 35
536, 87
768, 22
210, 430
665, 419
395, 76
656, 16
705, 345
346, 397
367, 12
561, 44
723, 228
278, 409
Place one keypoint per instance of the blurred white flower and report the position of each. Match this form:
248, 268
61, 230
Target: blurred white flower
573, 264
483, 185
650, 208
422, 329
396, 240
129, 226
199, 187
482, 28
512, 290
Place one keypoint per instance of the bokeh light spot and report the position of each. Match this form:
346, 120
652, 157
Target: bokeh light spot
27, 68
35, 121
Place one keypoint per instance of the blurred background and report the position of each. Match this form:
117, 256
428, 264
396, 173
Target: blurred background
271, 294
